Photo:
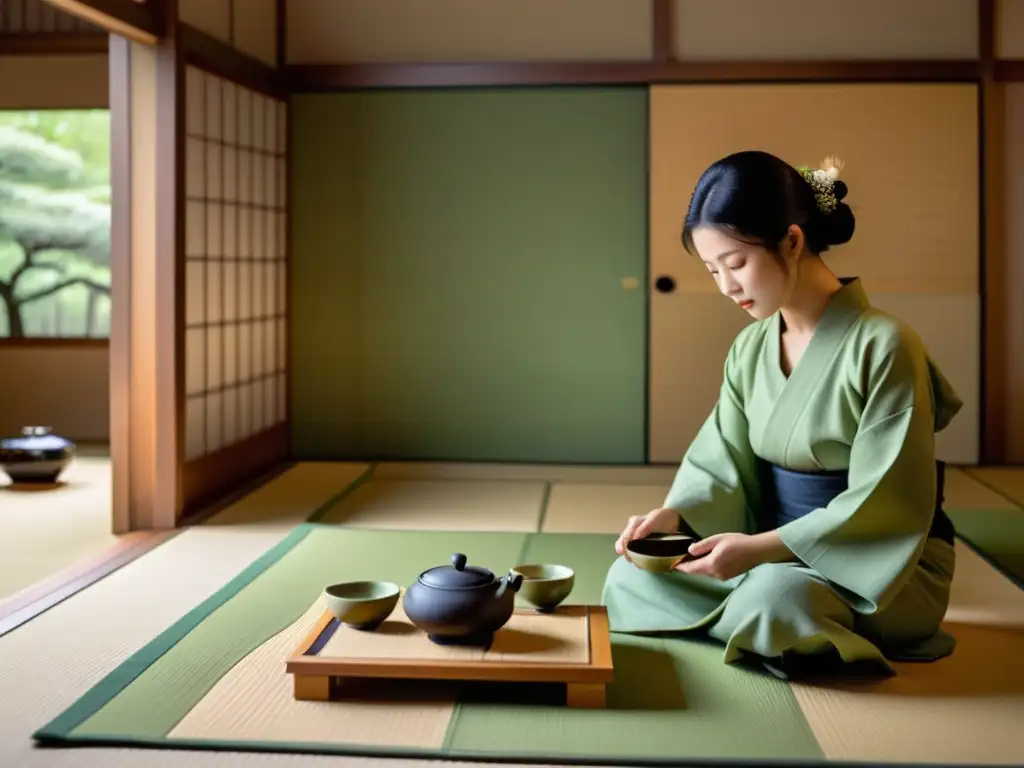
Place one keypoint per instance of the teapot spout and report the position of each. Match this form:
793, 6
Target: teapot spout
512, 581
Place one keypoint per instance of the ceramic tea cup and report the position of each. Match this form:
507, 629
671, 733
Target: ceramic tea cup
659, 552
545, 585
362, 604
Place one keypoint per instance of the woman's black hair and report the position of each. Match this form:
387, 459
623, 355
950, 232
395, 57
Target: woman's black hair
757, 196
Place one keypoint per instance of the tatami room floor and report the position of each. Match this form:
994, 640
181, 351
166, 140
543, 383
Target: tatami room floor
45, 530
47, 663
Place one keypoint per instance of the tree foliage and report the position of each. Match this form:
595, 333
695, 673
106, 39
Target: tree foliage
55, 218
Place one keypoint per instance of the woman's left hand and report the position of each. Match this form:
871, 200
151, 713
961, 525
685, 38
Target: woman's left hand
724, 556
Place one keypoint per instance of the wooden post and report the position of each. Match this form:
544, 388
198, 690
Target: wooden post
146, 335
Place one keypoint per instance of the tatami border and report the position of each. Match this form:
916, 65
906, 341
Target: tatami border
101, 693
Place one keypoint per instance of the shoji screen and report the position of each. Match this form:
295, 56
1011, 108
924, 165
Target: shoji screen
235, 271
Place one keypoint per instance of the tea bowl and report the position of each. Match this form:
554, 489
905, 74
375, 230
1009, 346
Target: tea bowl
362, 604
545, 585
659, 552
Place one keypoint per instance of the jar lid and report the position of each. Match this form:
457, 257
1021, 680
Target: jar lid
36, 439
458, 575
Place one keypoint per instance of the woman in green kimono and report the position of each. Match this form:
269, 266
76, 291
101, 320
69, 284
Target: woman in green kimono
813, 487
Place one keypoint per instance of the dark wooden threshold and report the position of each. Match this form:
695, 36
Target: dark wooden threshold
31, 602
211, 478
52, 43
320, 77
210, 54
1008, 70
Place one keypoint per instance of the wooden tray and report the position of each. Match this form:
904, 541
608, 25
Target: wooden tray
571, 645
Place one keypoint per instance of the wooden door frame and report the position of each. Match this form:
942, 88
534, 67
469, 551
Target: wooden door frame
146, 362
153, 486
142, 22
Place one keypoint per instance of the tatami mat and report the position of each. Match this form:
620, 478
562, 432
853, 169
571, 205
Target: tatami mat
966, 708
43, 531
920, 714
253, 702
56, 657
465, 505
555, 473
579, 508
1009, 481
965, 492
301, 490
970, 701
605, 507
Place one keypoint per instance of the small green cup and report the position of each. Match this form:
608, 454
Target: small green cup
545, 585
362, 604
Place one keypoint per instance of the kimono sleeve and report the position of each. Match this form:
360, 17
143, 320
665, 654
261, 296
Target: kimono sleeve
867, 541
715, 488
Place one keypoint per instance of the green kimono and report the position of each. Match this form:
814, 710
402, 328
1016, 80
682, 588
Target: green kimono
869, 583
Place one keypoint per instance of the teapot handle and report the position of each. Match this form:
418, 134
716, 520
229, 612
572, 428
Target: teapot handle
459, 561
513, 581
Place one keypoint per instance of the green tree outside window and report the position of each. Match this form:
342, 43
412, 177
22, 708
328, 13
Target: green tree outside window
55, 224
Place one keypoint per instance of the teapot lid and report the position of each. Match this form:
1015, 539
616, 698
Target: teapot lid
458, 575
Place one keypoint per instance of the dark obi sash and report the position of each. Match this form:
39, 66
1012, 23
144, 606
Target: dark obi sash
790, 495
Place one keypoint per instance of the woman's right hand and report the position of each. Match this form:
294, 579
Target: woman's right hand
662, 520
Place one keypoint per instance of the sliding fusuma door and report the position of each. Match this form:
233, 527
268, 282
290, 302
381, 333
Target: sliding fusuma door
468, 273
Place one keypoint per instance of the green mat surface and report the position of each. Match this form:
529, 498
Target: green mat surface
995, 534
671, 701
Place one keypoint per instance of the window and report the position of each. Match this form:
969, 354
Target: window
55, 224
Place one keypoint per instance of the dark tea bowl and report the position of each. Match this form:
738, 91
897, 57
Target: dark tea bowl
659, 552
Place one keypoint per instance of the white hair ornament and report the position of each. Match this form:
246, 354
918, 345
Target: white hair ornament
822, 181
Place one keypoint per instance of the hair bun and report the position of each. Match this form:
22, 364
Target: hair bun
837, 227
839, 189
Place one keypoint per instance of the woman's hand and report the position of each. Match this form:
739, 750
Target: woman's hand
725, 556
662, 520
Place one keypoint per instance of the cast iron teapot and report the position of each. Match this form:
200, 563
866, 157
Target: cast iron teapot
461, 604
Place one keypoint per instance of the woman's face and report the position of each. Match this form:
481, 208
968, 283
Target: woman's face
750, 275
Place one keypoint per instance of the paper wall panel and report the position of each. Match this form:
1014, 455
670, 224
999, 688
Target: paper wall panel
950, 326
686, 367
1013, 269
912, 168
211, 16
54, 82
195, 428
689, 339
335, 31
195, 101
826, 29
1010, 29
255, 30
